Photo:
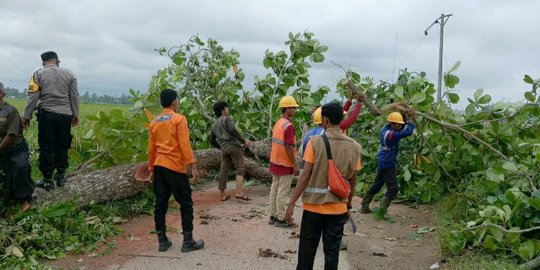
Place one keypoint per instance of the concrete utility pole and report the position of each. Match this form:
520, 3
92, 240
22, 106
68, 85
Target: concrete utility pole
442, 21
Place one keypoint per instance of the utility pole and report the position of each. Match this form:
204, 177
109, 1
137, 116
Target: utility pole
441, 21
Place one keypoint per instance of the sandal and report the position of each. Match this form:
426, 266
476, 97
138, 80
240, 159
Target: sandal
225, 198
243, 197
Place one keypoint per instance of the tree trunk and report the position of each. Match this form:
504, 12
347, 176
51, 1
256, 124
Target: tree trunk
117, 182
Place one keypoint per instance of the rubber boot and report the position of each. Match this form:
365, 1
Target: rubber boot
163, 241
365, 203
45, 183
385, 203
60, 179
190, 244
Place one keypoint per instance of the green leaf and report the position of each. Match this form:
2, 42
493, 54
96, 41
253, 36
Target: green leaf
424, 230
510, 166
500, 106
470, 110
526, 250
398, 91
355, 76
451, 81
17, 252
535, 202
418, 97
92, 118
484, 99
512, 237
317, 58
529, 96
478, 93
456, 241
57, 211
490, 243
528, 79
454, 67
494, 175
454, 98
407, 175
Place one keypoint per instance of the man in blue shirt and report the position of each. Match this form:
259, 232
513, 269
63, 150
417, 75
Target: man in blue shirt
390, 135
318, 130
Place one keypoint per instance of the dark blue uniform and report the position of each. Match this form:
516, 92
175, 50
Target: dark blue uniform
387, 160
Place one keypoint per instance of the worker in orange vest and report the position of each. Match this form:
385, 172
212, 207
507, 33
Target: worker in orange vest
283, 164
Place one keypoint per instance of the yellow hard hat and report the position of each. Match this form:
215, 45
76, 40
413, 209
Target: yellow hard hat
287, 102
317, 116
395, 117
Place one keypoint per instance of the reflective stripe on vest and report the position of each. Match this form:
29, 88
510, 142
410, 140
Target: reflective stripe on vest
317, 190
278, 141
384, 146
278, 154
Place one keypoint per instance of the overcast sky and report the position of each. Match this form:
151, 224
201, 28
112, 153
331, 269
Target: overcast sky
109, 44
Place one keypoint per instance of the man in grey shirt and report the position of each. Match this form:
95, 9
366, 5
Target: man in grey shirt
57, 112
226, 137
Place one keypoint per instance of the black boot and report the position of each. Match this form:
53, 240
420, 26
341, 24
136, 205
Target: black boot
190, 244
385, 203
60, 179
164, 242
365, 203
45, 183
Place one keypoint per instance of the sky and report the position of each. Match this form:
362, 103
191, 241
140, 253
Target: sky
109, 45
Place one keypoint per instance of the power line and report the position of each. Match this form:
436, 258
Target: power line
406, 58
395, 52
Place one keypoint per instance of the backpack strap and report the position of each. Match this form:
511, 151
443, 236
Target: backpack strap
327, 146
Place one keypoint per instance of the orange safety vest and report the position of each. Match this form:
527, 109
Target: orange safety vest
278, 155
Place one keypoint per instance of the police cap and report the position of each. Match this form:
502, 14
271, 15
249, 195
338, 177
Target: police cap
48, 55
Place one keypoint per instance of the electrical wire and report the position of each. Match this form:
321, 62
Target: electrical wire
405, 59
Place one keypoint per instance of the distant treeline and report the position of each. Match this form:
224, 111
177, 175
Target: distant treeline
86, 98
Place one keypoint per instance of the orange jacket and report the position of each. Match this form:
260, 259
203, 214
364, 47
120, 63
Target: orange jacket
168, 142
278, 155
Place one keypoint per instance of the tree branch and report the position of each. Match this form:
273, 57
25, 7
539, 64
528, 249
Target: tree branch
198, 96
501, 228
433, 152
402, 107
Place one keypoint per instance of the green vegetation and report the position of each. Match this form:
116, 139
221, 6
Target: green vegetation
51, 232
484, 162
81, 147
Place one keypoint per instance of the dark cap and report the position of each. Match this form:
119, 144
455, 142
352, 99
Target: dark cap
48, 55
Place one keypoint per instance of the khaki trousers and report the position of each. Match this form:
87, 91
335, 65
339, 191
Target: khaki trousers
279, 195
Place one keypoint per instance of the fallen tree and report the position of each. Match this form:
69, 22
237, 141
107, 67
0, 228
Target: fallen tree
115, 183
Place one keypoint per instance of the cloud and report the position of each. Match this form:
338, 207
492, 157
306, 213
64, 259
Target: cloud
109, 44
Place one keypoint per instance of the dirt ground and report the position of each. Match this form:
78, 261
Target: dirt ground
237, 236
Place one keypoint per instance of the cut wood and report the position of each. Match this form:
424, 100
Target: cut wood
117, 182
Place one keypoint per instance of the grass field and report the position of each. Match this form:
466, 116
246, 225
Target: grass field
78, 132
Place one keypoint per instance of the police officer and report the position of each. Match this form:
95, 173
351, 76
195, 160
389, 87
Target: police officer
57, 112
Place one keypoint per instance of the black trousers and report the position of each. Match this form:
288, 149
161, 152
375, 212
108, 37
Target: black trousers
166, 182
15, 174
387, 176
313, 225
54, 138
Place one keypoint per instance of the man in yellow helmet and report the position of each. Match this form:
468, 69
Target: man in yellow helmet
318, 130
390, 136
282, 162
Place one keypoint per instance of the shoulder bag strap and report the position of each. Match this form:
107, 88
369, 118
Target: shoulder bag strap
327, 146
